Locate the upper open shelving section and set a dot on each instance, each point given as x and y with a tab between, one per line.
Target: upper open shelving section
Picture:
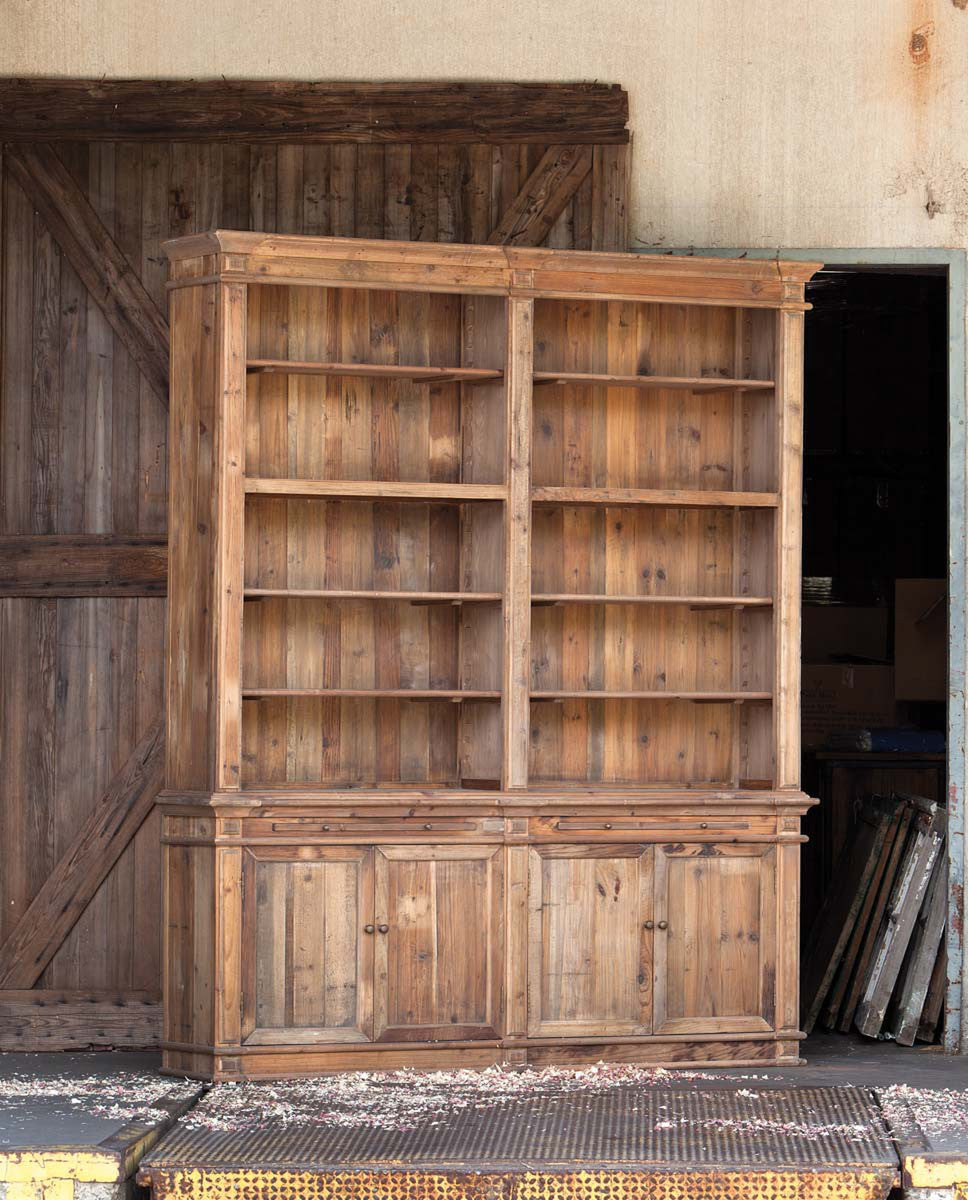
482	513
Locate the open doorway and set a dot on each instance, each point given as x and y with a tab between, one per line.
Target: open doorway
875	637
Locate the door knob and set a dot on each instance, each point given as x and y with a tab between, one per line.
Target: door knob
663	924
383	928
368	928
649	925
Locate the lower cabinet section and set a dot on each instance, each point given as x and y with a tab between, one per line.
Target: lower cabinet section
359	943
439	944
590	940
634	940
339	955
715	939
307	965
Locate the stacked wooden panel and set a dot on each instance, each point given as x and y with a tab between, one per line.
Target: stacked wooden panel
483	635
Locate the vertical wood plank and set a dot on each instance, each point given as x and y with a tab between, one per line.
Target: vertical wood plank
789	404
517	546
230	535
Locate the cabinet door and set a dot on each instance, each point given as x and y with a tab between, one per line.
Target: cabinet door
308	960
715	941
589	940
439	943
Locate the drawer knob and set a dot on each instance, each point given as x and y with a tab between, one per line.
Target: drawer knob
325	829
383	928
649	925
703	824
608	824
663	924
368	928
428	825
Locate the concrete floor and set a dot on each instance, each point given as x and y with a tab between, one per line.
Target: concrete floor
832	1059
53	1121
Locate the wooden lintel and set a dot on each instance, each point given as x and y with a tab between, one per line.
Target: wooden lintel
96	257
85	864
543	196
76	565
223	110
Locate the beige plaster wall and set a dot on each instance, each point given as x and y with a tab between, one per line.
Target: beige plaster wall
759	122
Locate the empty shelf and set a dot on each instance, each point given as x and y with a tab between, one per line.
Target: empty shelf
337	594
698	602
660	497
696	697
371	693
700	383
375	489
280	366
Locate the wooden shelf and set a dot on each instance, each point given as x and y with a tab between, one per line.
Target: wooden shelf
703	383
375	489
280	366
336	594
695	602
695	697
372	693
660	497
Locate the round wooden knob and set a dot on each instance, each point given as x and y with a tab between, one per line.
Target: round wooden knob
369	928
383	928
663	924
649	925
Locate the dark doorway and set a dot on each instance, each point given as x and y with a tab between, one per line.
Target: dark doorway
874	572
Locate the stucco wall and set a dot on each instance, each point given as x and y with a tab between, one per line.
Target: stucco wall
759	122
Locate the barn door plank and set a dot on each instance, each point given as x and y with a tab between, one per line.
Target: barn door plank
552	185
96	258
77	876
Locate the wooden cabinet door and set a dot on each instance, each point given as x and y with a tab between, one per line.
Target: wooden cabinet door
439	946
715	938
307	957
589	940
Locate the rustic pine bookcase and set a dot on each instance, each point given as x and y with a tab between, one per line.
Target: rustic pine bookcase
483	694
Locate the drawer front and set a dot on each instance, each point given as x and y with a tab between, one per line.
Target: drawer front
659	828
375	829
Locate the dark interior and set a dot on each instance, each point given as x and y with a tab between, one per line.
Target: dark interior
875	512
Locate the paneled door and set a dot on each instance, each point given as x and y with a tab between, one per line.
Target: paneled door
309	935
590	940
715	940
439	946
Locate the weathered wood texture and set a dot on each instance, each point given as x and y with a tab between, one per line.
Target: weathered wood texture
386	739
57	566
225	110
83	432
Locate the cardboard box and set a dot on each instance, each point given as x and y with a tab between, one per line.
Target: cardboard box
837	698
832	630
921	639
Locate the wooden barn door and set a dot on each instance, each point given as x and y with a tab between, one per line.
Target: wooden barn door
94	177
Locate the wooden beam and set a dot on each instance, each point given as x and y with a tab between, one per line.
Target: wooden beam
68	889
69	565
59	1020
283	111
96	257
559	174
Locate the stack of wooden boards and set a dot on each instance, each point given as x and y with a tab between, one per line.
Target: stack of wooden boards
875	957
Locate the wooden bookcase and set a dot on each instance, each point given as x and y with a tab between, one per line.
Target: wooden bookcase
483	695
